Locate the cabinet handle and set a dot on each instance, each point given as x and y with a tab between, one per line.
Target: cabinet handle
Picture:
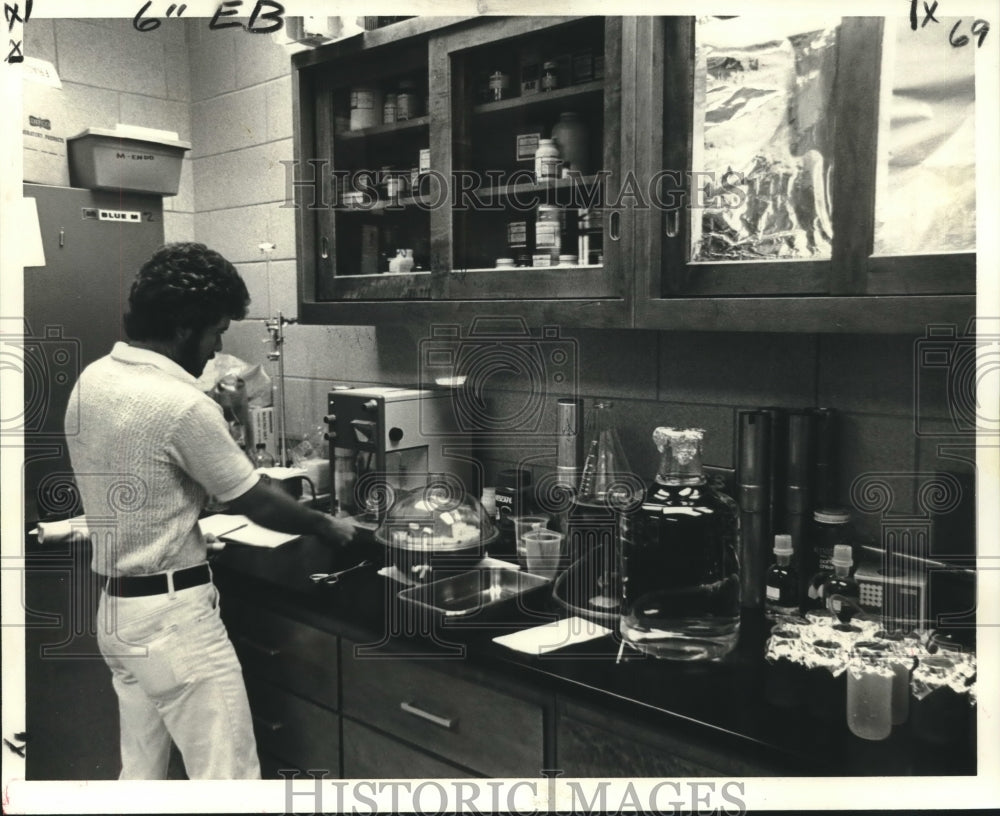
267	651
672	221
448	723
614	225
267	724
324	247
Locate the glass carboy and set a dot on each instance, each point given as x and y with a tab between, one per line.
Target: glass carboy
679	562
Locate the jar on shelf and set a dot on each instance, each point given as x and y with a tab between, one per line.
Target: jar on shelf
366	107
548	235
389	109
499	86
550	75
407	101
547	161
572	137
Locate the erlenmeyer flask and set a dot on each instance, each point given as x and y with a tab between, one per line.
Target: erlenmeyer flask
605	467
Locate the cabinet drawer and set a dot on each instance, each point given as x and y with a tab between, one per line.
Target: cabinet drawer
283	651
592	743
486	730
303	735
371	755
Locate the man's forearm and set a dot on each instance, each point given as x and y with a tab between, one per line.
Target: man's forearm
273	508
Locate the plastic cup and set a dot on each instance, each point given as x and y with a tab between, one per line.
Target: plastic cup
522	525
544	548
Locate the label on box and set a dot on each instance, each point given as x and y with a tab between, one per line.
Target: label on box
547	235
517	233
526	145
43	123
121	216
425	160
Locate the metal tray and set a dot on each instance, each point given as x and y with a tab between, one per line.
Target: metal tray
468	593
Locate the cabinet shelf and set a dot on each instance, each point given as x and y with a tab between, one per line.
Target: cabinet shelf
511	190
384	130
545	97
401	205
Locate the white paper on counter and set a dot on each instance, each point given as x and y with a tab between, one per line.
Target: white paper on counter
551	636
240	530
221	523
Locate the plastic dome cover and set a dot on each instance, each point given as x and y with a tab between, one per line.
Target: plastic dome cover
435	518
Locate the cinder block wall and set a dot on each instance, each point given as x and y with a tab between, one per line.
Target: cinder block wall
112	73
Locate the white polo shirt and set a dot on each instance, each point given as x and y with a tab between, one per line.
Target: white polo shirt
151	449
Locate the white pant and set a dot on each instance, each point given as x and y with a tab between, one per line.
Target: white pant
177	676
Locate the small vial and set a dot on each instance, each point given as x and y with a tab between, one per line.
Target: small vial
840	592
781	597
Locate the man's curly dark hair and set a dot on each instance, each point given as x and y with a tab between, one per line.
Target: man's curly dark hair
184	285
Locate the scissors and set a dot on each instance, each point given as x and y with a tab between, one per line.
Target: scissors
334	577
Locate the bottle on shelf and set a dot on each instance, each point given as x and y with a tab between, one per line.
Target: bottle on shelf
261	458
407	101
550	75
389	109
547	161
572	139
840	591
548	235
679	561
781	596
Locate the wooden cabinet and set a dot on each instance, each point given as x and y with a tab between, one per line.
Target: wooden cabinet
594	743
444	211
303	735
779	155
769	181
291	674
284	652
369	754
443	711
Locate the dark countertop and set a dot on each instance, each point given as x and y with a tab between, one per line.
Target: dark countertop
721	704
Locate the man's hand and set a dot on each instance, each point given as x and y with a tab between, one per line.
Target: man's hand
271	507
338	531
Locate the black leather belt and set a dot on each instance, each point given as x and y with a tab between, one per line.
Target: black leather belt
135	586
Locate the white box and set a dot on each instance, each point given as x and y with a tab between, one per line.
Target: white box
101	159
262	429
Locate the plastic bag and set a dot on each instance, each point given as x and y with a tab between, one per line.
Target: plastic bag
257	384
313	446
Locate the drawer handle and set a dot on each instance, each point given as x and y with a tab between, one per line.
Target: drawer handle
267	651
267	724
448	723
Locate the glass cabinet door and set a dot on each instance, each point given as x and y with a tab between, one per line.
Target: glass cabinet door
807	155
533	125
372	137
